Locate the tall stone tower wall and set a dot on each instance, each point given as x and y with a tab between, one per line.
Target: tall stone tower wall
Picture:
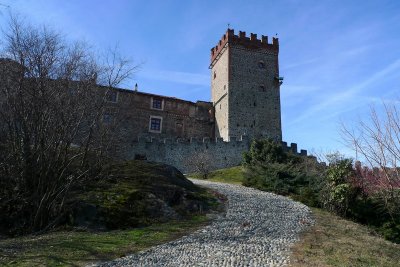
245	86
219	94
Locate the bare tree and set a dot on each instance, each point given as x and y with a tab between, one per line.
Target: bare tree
53	136
201	162
377	141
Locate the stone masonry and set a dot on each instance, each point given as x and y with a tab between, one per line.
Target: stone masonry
245	92
245	86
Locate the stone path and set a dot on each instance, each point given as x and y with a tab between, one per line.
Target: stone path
257	230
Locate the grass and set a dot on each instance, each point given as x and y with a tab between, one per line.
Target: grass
232	175
122	201
78	248
334	241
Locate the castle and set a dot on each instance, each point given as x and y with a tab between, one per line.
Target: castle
245	105
245	90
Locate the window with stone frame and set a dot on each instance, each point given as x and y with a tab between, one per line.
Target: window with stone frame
108	118
156	103
155	124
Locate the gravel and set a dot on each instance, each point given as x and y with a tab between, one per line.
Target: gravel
258	229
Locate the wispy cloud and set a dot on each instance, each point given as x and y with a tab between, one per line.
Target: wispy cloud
341	98
291	65
176	77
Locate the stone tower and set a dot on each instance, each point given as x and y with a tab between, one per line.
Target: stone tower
245	86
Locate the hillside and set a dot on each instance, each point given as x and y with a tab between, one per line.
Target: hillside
138	193
332	241
138	205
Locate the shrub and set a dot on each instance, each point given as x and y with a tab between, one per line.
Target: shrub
268	167
338	192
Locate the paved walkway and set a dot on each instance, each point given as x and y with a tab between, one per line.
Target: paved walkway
257	230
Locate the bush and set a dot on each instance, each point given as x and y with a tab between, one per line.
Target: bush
338	188
338	192
268	167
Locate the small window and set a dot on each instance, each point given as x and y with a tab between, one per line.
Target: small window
215	75
261	64
112	96
157	103
155	124
108	118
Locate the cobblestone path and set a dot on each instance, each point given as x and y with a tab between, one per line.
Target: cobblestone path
258	229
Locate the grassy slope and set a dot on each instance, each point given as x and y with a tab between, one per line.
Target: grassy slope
232	175
333	241
73	248
78	248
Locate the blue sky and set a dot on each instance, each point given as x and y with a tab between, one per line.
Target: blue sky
337	57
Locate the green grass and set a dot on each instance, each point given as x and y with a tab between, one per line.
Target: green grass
334	241
232	175
78	248
122	204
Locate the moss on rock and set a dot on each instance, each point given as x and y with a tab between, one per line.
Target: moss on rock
138	193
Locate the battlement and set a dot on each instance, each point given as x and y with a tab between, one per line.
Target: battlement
241	39
293	148
192	140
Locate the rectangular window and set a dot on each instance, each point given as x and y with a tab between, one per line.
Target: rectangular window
156	103
108	118
155	125
112	96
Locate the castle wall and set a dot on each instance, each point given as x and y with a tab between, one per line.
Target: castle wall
245	86
185	154
179	118
219	94
254	96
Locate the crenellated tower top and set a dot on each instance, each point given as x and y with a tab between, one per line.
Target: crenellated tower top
247	42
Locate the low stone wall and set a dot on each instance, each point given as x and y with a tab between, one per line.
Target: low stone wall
184	154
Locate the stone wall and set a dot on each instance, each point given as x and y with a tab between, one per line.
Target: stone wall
254	96
219	94
179	118
245	86
182	153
